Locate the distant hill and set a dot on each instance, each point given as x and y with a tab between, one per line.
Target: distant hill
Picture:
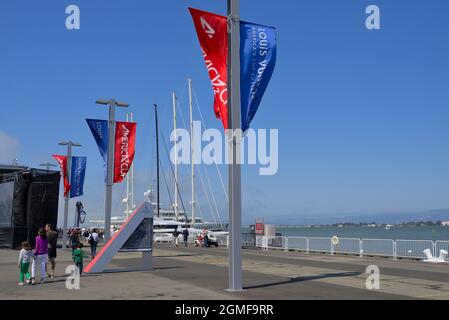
390	218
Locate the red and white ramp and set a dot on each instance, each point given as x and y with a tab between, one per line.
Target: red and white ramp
135	235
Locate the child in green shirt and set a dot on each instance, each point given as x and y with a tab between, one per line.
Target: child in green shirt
78	256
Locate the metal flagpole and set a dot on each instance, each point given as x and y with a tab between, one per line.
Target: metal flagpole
127	185
192	142
69	145
234	141
132	177
110	172
157	159
176	158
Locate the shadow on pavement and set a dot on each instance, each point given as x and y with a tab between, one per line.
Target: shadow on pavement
128	270
179	255
302	279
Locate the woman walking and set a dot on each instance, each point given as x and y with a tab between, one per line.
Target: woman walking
93	241
40	256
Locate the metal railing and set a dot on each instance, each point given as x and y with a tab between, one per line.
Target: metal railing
378	247
319	244
248	239
347	246
441	245
275	243
413	249
297	243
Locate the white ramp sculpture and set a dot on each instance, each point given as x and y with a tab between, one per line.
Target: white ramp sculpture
136	235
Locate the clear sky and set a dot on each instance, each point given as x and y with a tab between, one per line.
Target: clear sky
362	115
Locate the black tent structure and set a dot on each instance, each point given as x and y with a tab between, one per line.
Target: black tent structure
28	201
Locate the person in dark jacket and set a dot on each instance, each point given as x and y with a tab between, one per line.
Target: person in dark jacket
185	236
74	239
176	237
52	248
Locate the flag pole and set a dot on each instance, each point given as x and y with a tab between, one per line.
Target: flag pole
68	172
110	165
234	143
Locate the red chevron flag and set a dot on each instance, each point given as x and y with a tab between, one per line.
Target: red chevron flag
213	36
62	161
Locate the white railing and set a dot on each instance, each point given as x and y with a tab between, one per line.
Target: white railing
320	244
378	247
298	243
275	243
347	246
413	249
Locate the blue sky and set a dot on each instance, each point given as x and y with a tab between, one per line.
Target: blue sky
362	115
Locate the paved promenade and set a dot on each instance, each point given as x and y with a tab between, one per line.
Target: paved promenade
201	273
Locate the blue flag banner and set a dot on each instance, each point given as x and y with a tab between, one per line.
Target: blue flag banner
77	174
257	61
99	129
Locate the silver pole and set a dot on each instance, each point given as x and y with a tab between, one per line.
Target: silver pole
110	179
110	165
132	177
67	198
176	157
234	168
127	185
69	145
192	142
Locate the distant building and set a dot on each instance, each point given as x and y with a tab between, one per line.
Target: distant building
445	223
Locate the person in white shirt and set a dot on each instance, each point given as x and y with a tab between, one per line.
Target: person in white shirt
93	241
25	256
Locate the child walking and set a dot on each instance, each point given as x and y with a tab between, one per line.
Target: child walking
25	257
78	257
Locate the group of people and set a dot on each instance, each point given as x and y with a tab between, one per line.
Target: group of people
201	240
45	251
185	236
93	237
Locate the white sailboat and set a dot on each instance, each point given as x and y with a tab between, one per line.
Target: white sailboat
167	220
170	220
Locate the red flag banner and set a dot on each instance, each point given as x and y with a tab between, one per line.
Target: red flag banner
125	138
62	161
213	37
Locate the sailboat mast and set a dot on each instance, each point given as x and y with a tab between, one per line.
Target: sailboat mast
157	159
176	157
192	151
